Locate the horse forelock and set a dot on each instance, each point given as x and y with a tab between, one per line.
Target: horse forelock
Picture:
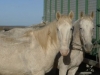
46	35
77	22
63	19
86	17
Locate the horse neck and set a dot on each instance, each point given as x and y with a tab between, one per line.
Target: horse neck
47	35
76	36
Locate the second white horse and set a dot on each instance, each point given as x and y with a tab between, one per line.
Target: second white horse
82	41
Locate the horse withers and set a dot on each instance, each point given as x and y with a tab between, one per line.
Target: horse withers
82	42
36	56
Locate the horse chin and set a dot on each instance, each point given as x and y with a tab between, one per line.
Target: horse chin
87	50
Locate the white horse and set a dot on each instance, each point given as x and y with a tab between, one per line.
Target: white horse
36	56
82	42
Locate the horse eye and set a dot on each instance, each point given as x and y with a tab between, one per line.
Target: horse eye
71	29
57	29
93	28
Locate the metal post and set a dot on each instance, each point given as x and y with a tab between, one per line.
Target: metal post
61	6
76	10
86	6
50	10
68	6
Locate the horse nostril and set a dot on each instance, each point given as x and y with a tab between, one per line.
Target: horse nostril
85	45
91	46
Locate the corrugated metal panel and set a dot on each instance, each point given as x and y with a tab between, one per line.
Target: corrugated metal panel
81	6
48	11
59	5
52	10
92	7
44	14
73	7
65	6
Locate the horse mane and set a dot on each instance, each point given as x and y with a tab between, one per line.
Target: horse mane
8	39
76	25
46	35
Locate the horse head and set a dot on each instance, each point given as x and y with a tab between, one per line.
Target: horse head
86	31
64	30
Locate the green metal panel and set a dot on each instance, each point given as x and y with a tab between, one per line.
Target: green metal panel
86	6
50	11
61	6
55	6
68	6
76	17
65	6
98	22
45	11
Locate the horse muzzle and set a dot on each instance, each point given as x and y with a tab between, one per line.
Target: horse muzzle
88	47
64	52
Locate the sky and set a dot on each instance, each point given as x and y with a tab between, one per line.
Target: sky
21	12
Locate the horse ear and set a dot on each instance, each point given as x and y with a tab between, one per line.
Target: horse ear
71	15
92	15
58	15
81	14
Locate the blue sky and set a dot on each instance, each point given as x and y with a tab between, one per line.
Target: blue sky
21	12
